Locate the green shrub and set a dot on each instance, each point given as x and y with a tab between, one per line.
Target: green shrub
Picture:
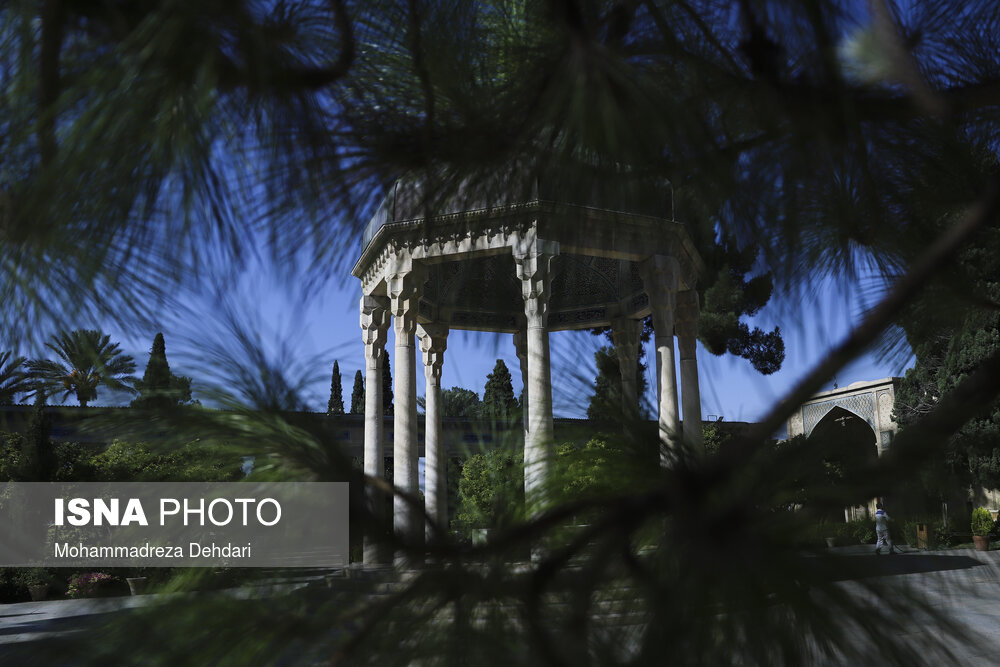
588	470
194	462
982	521
838	530
845	533
946	535
491	490
74	463
34	576
10	456
995	531
863	531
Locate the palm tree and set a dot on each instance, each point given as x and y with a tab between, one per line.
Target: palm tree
86	358
13	378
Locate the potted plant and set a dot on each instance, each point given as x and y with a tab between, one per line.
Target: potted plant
982	524
37	581
137	585
137	580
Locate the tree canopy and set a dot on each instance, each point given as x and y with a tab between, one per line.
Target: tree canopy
498	395
14	378
386	384
335	406
159	388
85	360
460	402
358	395
949	344
606	402
491	490
729	297
38	461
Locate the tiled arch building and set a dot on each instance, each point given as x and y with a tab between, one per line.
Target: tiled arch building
872	401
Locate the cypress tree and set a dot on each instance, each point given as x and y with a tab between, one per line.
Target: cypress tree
606	403
159	388
498	397
157	375
358	395
38	459
386	384
335	406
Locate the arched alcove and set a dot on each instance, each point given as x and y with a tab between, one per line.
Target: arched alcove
847	444
846	436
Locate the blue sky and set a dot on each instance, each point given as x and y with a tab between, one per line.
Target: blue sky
310	328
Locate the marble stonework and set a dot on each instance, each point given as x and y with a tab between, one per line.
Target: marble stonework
525	268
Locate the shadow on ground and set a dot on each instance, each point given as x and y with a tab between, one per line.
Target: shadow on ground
840	567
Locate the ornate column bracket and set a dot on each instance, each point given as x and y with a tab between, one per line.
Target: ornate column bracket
660	276
534	272
686	322
374	327
405	282
687	343
433	342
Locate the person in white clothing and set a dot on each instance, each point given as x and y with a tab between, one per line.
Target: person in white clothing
882	530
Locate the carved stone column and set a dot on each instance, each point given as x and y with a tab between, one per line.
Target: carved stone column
626	334
433	342
660	280
521	347
374	325
687	342
534	273
405	286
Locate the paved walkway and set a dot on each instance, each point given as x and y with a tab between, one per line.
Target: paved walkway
961	584
30	621
964	584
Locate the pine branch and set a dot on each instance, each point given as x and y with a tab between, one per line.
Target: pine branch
923	269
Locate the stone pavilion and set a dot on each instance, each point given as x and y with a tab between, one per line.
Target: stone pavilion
524	268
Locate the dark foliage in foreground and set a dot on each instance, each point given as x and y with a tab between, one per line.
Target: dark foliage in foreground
821	137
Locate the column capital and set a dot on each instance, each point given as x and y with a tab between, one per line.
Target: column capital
535	273
660	268
688	312
433	340
374	324
686	323
405	282
660	279
626	333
